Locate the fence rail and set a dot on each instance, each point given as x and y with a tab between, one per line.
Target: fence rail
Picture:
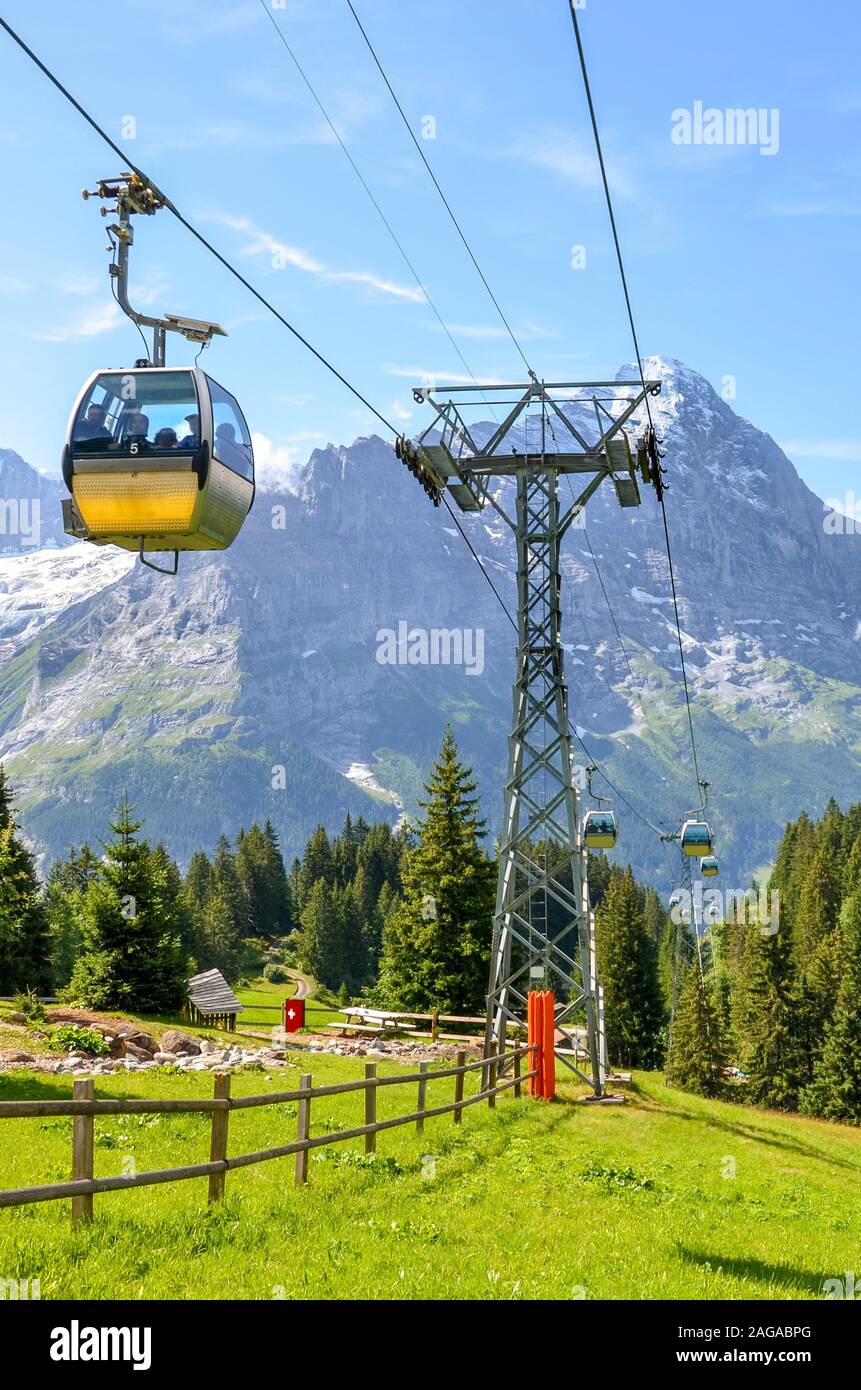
84	1109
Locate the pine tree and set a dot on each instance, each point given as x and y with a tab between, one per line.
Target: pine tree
696	1056
68	881
852	868
178	919
628	970
344	854
225	916
818	904
436	944
261	872
24	937
280	906
354	945
320	944
766	1021
316	864
75	872
132	954
835	1091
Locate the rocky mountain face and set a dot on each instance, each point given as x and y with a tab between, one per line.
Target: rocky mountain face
274	679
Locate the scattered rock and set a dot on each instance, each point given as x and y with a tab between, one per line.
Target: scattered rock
14	1016
165	1058
143	1041
17	1057
174	1041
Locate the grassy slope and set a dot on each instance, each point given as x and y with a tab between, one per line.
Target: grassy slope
523	1204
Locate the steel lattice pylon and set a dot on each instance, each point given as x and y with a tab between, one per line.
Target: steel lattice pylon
540	809
542	922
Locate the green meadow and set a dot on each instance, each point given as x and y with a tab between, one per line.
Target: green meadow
668	1196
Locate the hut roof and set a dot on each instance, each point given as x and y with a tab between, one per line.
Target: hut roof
210	993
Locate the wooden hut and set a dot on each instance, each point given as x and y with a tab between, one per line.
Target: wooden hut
211	1001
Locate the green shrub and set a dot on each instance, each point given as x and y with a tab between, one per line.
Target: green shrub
276	975
30	1006
73	1037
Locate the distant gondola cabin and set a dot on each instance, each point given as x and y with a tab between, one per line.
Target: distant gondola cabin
696	839
599	829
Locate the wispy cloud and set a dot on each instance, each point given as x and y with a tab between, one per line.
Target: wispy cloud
181	25
296	399
812	208
488	332
219	134
9	284
838	450
572	158
95	321
260	242
77	284
276	465
422	376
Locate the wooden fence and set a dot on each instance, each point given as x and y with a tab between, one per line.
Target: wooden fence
85	1109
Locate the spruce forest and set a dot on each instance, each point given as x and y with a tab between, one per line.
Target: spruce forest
399	918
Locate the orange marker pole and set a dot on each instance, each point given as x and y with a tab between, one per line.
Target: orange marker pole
531	1039
539	1038
549	1002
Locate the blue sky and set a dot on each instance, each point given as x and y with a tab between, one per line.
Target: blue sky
741	263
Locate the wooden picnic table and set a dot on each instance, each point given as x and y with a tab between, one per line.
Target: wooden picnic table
371	1020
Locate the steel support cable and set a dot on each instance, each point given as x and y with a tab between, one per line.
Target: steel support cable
624	653
189	226
123	157
438	187
624	279
267	10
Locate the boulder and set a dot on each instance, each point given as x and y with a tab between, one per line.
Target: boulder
165	1058
172	1040
207	1046
14	1016
16	1057
143	1041
138	1054
108	1031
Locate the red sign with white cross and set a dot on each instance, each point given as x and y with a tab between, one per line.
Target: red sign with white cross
293	1016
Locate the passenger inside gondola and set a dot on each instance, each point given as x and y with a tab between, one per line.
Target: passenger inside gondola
93	426
166	439
227	449
192	439
135	425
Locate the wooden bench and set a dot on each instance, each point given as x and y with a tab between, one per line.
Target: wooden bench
371	1021
367	1030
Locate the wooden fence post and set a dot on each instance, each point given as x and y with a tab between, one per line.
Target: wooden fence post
218	1142
434	1024
491	1079
423	1090
517	1086
82	1151
303	1130
458	1087
370	1107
